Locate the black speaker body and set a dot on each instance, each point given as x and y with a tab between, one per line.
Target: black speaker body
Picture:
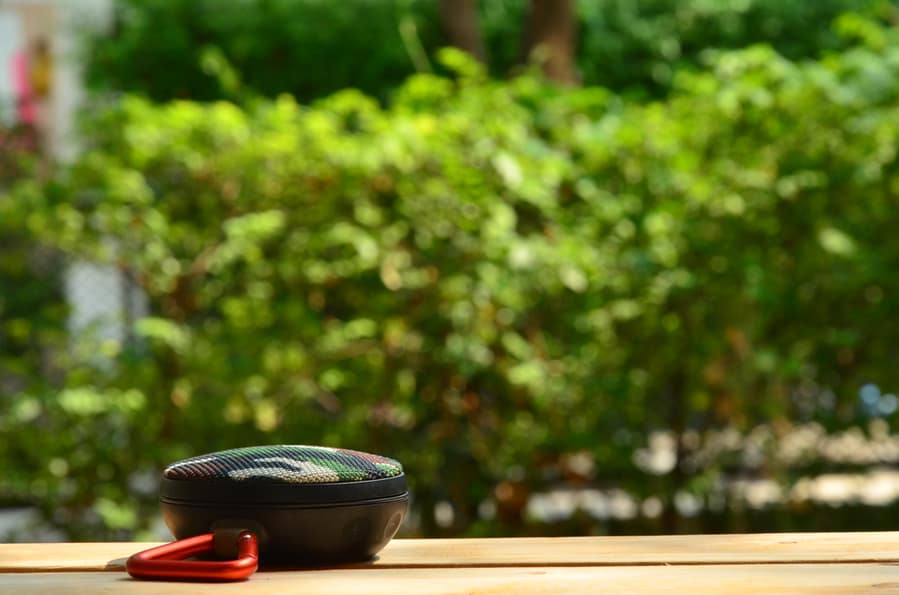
302	511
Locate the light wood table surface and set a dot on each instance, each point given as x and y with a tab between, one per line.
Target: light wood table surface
832	563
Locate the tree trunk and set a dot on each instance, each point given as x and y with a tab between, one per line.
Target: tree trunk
460	22
552	30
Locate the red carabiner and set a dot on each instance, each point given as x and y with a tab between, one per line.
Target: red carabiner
168	561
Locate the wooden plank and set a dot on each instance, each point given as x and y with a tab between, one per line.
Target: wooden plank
640	550
560	551
744	579
52	557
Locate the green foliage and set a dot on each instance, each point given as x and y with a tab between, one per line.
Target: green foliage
639	45
306	47
479	279
32	315
309	48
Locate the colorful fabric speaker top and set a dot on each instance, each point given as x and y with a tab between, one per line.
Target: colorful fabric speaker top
288	463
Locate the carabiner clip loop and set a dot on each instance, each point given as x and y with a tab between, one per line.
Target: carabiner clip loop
168	561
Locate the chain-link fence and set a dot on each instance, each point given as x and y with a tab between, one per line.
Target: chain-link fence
103	300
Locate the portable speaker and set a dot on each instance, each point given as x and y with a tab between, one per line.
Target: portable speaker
304	505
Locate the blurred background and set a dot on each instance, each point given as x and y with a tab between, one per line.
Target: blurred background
584	267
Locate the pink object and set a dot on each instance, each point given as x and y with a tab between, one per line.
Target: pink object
27	110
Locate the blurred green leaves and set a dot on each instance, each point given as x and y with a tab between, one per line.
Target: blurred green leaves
212	49
479	278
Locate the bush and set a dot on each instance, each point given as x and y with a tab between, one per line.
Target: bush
480	279
163	48
173	49
638	46
32	308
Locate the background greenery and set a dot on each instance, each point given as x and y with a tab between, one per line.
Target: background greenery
168	49
509	286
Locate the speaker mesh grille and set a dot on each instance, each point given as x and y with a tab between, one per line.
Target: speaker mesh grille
285	464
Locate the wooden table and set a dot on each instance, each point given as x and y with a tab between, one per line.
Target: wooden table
832	563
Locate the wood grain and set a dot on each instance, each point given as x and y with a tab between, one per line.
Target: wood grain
817	579
775	548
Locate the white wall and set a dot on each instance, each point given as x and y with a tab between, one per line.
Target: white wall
61	21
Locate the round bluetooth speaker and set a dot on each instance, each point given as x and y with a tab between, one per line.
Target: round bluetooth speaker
306	505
